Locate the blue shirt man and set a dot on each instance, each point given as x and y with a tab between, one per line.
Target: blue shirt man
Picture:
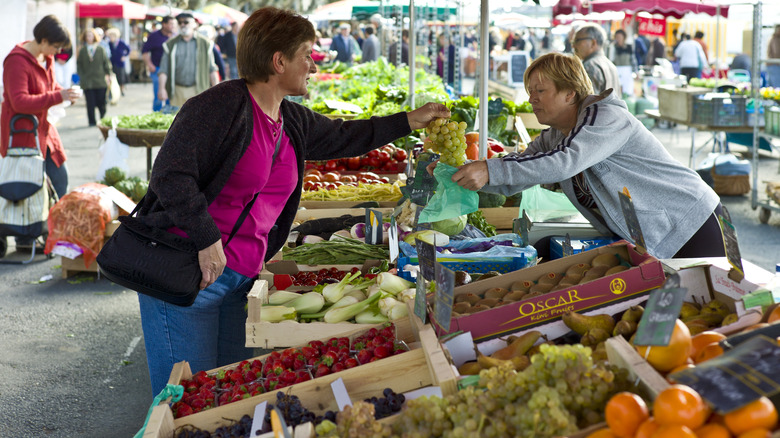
152	52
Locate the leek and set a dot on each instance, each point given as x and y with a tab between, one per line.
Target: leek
281	297
407	295
345	301
276	313
357	293
392	283
341	314
370	316
310	302
392	308
335	291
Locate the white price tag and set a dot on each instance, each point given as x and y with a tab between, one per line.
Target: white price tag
258	419
340	393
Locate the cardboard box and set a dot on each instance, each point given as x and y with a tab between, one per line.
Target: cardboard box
418	368
677	103
74	266
645	275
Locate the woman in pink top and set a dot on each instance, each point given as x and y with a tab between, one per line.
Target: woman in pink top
217	156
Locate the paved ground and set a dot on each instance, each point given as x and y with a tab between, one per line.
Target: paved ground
72	355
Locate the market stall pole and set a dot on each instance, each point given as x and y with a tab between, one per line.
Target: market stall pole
484	68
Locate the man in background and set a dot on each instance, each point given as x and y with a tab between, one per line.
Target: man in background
152	53
187	67
691	57
227	44
370	45
587	44
343	44
699	38
393	51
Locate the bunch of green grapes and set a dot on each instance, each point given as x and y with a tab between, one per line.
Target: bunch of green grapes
561	392
354	421
448	139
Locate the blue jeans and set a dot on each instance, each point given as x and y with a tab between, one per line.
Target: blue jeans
157	104
209	334
58	176
233	68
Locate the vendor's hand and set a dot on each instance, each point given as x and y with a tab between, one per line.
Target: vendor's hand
431	167
422	116
472	176
212	262
162	94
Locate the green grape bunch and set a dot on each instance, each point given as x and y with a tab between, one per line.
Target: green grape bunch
448	139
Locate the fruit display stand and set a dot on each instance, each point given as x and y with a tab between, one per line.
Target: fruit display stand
311	205
419	367
305	214
74	266
147	138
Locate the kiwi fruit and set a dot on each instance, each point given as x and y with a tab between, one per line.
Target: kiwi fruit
461	307
495	292
532	295
469	298
578	269
515	295
541	288
478	308
615	270
567	282
550	278
521	285
488	302
608	260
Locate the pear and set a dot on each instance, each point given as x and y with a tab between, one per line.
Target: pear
486	362
696	327
600	352
689	309
518	346
624	328
469	368
582	323
731	318
592	337
710	319
633	314
521	362
716	307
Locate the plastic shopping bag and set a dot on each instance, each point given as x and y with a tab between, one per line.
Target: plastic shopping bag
113	153
542	205
450	200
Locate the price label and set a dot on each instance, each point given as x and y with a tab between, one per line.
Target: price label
373	227
258	420
567	248
392	239
445	286
522	226
661	313
634	230
426	257
340	393
737	377
420	301
521	129
731	244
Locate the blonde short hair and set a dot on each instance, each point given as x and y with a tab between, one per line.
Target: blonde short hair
113	32
565	71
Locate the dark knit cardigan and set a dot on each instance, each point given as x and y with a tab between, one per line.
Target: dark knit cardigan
210	134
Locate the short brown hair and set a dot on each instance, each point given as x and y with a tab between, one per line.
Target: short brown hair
565	71
267	31
51	29
91	30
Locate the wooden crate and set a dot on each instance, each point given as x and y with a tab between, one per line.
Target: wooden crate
677	103
624	355
73	267
501	217
342	204
320	213
420	367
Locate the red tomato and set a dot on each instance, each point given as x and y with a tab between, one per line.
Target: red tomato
311	186
390	149
371	175
331	165
341	168
331	177
373	154
373	162
313	172
348	179
311	178
331	186
383	157
384	180
400	155
390	166
353	163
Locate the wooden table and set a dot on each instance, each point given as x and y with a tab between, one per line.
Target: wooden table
716	141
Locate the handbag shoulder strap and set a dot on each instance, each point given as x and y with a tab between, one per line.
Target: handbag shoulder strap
245	211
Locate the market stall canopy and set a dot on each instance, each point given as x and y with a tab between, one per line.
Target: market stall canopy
424	9
667	8
337	11
519	21
565	7
110	9
226	12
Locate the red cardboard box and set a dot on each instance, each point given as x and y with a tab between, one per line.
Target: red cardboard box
646	274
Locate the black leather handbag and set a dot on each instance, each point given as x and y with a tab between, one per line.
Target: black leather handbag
155	262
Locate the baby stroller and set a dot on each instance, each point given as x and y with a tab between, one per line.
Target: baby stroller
25	191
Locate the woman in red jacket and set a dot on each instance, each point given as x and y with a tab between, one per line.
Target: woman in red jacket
30	88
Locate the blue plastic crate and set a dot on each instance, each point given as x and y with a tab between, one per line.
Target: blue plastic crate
472	266
577	245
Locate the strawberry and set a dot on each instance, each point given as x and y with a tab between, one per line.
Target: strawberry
235	376
364	356
374	359
382	352
390	345
200	378
271	383
197	404
398	351
275	355
287	376
371	333
358	345
302	376
257	363
190	386
183	410
244	364
351	363
312	362
309	352
322	370
329	358
343	343
277	367
300	363
338	366
317	345
377	341
224	398
388	332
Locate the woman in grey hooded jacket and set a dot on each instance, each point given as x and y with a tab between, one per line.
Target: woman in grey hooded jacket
593	149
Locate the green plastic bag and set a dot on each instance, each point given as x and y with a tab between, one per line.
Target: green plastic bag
542	205
450	200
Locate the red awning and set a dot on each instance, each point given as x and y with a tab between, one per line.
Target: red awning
667	8
110	9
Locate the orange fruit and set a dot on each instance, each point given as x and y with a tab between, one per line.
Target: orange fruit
603	433
698	342
756	433
774	315
472	137
666	358
708	352
757	414
679	404
713	430
472	151
682	367
673	431
624	412
647	428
